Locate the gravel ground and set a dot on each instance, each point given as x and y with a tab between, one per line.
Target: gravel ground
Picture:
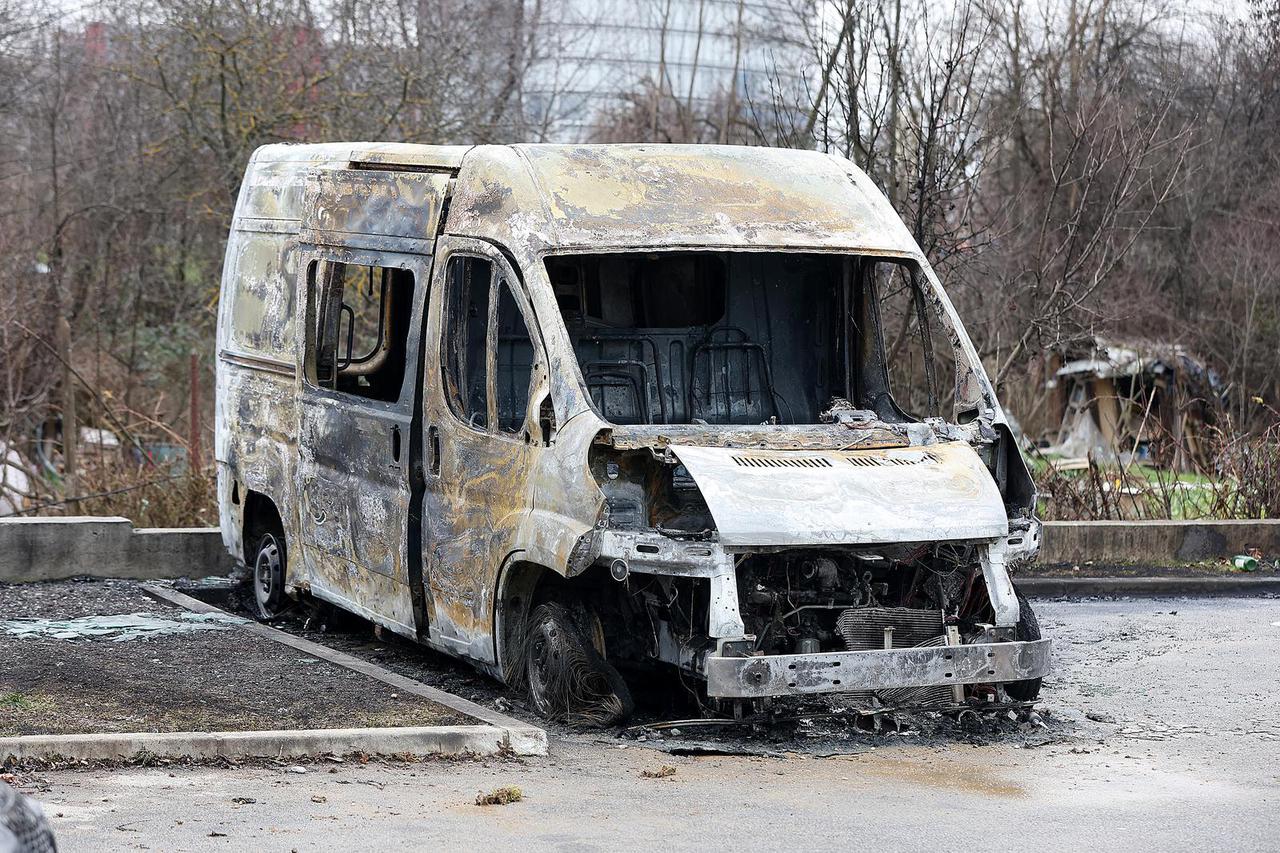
355	636
64	669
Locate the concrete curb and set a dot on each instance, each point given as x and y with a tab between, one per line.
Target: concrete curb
49	549
413	740
1155	542
1156	587
55	548
517	737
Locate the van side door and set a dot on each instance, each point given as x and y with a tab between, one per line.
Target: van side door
366	240
356	406
485	380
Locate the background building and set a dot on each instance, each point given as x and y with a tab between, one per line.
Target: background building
687	63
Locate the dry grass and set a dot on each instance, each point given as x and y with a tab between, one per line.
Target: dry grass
1237	476
18	711
166	493
161	495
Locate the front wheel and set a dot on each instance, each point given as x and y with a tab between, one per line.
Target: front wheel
568	678
269	563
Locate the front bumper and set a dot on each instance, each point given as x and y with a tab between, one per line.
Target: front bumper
881	669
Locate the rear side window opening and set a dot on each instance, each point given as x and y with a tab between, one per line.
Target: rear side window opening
753	337
360	342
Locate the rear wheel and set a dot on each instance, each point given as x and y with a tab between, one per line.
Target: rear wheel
1028	628
269	564
567	676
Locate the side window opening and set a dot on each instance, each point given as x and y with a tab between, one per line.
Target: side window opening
515	359
466	354
360	341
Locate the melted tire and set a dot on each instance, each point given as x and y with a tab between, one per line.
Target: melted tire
566	677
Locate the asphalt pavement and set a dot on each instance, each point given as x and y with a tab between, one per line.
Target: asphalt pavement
1164	735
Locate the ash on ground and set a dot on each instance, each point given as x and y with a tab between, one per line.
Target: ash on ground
831	725
667	716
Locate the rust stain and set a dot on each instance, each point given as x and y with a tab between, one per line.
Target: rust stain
968	779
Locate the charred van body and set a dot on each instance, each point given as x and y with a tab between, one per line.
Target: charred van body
566	411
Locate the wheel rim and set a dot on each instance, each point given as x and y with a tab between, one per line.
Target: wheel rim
266	573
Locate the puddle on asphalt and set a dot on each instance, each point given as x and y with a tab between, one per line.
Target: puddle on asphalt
120	628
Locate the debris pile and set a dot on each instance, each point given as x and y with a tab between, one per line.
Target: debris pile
824	726
500	796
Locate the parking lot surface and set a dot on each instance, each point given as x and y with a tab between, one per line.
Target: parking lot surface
1163	735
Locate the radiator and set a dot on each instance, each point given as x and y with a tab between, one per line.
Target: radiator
863	628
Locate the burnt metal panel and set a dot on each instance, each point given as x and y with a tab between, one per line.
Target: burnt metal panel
255	445
909	495
257	311
771	436
355	477
599	196
273	186
380	210
481	484
837	672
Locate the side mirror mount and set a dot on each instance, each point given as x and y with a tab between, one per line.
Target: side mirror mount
546	420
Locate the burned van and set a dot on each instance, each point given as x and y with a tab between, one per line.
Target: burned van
579	413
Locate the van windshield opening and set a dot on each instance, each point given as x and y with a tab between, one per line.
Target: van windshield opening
753	337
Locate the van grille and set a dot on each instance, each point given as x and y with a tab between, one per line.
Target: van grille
782	461
863	629
886	461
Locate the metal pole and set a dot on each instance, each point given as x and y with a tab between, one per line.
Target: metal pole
70	424
193	440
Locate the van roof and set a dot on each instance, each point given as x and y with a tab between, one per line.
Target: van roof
342	154
601	197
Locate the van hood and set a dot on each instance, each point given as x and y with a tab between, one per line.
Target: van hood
865	497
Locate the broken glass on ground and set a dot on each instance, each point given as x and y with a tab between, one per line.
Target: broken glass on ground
118	628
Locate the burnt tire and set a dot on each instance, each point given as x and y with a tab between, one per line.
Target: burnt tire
268	575
567	677
1028	628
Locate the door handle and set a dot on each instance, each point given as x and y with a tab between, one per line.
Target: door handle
395	445
433	450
